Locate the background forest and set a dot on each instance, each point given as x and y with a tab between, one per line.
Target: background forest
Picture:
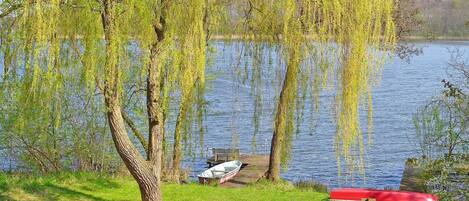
440	18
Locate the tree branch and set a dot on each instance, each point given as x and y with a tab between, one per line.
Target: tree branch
135	131
8	11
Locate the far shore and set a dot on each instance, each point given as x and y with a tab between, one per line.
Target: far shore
437	38
403	39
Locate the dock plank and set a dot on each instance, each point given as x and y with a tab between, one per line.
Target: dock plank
256	168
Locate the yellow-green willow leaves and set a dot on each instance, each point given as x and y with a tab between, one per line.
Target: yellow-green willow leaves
369	28
45	26
339	44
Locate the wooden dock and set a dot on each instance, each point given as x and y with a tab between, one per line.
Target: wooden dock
254	168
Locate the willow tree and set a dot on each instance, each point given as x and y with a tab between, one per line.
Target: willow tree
177	51
342	43
200	20
164	40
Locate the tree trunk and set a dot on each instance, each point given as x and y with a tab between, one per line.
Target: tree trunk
287	98
155	113
155	101
140	169
163	154
145	173
177	152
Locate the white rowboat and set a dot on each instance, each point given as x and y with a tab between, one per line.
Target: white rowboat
220	173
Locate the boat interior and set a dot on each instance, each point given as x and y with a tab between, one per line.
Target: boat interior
219	171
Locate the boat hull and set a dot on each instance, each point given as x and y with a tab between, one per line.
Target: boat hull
357	194
213	176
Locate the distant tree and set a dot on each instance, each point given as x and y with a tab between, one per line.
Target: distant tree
408	18
444	18
408	22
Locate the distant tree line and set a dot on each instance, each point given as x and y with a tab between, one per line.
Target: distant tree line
441	17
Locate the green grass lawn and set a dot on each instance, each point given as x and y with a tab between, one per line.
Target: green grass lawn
93	187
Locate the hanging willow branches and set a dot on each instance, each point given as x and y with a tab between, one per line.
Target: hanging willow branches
156	45
104	47
339	43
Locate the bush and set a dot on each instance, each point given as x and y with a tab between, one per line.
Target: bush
311	185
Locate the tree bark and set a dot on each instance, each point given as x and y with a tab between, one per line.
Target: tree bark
155	83
155	113
284	104
163	155
140	169
144	172
177	152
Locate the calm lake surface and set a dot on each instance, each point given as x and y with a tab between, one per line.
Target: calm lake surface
403	88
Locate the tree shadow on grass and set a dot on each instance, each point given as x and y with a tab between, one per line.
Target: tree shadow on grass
5	198
100	183
54	192
72	193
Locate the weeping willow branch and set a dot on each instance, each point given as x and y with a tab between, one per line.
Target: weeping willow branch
139	135
347	41
166	41
10	10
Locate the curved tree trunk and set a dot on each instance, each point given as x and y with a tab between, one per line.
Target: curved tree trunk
286	100
146	173
140	169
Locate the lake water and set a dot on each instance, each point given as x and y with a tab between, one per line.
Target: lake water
403	88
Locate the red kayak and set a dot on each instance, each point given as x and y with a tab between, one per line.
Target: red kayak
353	194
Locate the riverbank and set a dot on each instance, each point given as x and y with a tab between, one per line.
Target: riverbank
94	187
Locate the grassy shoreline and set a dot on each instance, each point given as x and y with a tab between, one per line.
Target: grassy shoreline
94	187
